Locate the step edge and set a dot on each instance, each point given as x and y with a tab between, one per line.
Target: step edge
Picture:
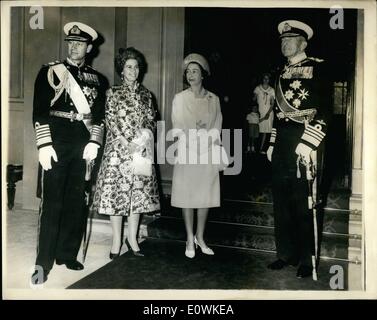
271	203
260	250
330	234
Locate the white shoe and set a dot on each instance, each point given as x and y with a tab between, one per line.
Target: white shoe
205	250
189	253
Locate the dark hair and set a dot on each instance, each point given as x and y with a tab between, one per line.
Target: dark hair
266	74
126	54
204	73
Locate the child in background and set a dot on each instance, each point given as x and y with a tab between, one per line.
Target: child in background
253	121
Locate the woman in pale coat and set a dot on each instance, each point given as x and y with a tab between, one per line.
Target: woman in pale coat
196	186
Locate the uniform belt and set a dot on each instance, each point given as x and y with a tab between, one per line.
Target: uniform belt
310	113
71	115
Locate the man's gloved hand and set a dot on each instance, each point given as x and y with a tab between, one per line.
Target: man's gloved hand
304	151
90	151
269	153
45	155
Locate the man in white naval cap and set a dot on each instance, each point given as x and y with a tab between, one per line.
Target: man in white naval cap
68	113
302	113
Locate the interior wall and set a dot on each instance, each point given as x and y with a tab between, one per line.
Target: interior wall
171	75
16	92
16	134
144	33
120	37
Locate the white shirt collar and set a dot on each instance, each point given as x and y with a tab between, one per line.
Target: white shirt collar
297	58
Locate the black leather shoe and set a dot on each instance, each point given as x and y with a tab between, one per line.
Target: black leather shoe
112	256
38	278
135	253
277	265
304	272
71	264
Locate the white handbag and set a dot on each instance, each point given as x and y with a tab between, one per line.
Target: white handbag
141	165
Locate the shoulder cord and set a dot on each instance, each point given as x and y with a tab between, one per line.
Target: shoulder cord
64	84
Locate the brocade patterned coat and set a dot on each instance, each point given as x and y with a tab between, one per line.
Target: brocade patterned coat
118	190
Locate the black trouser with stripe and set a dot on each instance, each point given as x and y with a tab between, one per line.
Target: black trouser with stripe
293	220
62	216
294	235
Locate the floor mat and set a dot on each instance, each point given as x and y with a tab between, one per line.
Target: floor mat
166	267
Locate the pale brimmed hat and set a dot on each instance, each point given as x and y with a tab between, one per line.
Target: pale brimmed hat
197	58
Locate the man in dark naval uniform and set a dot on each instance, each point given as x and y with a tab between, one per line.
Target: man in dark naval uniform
68	114
303	103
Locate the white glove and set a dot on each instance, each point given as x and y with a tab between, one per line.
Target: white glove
304	151
45	154
90	151
269	153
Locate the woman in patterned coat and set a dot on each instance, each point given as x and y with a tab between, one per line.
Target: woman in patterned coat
130	123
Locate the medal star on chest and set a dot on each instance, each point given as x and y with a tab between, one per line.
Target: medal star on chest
296	103
90	93
296	96
289	94
303	94
296	84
